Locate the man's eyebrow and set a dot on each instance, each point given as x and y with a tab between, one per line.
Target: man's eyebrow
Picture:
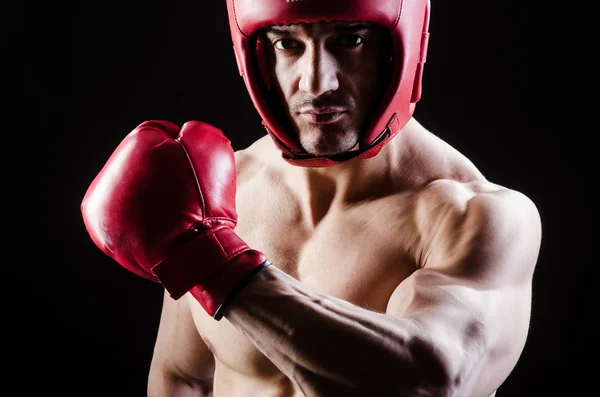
338	28
285	30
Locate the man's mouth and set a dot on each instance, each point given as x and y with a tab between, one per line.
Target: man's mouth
325	115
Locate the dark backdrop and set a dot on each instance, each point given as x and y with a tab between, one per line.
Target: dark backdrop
81	325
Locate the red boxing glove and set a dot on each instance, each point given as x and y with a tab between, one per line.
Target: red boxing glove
163	207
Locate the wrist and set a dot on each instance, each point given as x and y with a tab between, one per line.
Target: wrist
214	266
219	291
193	262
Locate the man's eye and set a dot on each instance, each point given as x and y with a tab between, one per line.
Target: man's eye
351	40
286	44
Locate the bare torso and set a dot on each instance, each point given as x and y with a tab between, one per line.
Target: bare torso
358	250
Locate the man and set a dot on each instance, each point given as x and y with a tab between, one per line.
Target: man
349	252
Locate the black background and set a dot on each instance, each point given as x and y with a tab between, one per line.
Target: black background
80	325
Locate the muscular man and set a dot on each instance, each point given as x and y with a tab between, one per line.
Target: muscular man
349	251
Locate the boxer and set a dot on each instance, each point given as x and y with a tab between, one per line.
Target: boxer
347	252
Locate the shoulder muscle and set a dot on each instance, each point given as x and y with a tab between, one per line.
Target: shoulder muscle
482	230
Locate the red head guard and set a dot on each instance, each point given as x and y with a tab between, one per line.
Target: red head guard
408	23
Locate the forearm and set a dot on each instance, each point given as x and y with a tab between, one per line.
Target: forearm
320	340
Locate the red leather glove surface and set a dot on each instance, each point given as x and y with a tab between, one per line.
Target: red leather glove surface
163	207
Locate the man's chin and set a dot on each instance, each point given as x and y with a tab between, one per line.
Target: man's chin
329	147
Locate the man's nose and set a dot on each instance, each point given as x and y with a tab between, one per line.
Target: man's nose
319	71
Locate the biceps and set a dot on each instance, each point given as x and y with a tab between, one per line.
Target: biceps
469	326
181	358
461	306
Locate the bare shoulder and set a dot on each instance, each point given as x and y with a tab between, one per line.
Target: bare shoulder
463	194
257	157
479	223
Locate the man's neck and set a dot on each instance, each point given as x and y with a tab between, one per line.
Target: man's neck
324	188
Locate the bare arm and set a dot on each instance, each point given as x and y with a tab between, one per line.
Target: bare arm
456	327
182	365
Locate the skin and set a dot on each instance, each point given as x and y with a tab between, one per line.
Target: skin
405	274
327	67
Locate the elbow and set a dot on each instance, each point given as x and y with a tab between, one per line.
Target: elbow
431	373
169	383
446	370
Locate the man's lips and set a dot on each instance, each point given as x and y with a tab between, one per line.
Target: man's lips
323	115
323	110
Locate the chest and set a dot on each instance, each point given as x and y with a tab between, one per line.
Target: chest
349	256
357	254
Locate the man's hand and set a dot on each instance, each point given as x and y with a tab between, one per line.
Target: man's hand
163	207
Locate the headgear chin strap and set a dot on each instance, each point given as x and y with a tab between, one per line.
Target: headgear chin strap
408	23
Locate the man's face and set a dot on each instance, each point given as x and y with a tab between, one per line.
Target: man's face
328	74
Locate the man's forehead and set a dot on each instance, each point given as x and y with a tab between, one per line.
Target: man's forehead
318	27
